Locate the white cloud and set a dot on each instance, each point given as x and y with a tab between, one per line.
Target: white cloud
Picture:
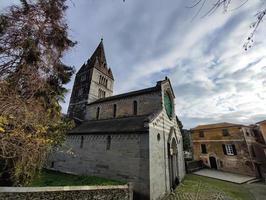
213	77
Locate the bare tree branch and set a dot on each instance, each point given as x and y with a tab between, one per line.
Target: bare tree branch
225	4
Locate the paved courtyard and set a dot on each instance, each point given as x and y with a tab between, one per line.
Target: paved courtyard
201	191
257	189
195	187
225	176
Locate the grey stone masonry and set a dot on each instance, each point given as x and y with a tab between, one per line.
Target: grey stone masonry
119	156
146	105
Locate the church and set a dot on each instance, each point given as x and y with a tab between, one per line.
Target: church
132	137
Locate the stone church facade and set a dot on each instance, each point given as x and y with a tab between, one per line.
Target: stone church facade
132	137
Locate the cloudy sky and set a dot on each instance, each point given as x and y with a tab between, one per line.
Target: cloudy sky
214	79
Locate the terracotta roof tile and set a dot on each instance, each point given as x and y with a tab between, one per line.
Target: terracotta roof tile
217	125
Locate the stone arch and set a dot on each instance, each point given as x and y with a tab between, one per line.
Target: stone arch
172	146
213	161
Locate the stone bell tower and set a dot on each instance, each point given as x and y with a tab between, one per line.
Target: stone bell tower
93	81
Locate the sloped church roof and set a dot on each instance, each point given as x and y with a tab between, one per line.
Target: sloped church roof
114	125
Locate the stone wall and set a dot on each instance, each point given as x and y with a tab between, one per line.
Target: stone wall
160	136
121	192
95	86
262	127
147	104
125	158
194	165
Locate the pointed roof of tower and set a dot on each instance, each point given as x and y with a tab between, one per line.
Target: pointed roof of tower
99	54
98	60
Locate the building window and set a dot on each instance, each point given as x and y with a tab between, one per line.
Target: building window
81	141
108	142
98	113
168	105
103	81
225	132
247	133
52	164
253	152
229	149
101	93
203	148
100	79
114	115
256	134
135	108
201	134
158	137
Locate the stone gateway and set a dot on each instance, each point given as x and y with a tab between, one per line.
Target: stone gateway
133	137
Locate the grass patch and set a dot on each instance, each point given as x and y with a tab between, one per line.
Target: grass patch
54	178
204	187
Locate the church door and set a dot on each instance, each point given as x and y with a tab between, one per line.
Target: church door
213	162
172	161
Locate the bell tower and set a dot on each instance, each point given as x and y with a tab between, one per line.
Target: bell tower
93	81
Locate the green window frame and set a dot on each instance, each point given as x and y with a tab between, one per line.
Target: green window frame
168	105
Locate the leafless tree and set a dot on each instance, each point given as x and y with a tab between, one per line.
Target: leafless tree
225	5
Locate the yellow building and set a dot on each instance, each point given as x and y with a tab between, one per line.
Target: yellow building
261	129
228	147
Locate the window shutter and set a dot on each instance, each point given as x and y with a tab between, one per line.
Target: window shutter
234	149
224	149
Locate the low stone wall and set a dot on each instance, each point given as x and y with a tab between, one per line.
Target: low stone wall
119	192
194	165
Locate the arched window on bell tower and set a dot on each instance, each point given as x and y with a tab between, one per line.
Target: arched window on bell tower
99	93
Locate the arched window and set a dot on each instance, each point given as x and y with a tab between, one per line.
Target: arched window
103	80
99	93
135	108
114	115
168	104
98	113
